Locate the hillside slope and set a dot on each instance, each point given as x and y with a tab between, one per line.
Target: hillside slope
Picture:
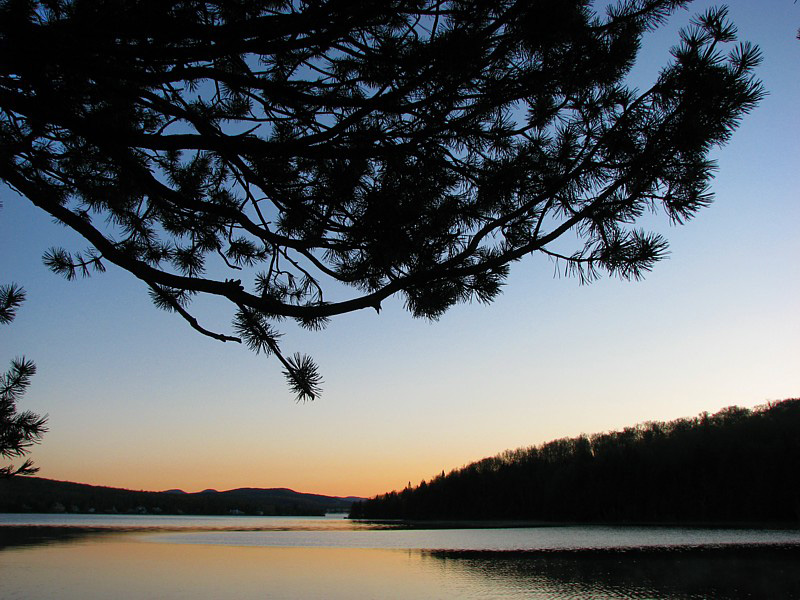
737	465
35	494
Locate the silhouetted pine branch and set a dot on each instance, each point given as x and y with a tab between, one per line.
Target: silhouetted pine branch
403	148
11	297
18	431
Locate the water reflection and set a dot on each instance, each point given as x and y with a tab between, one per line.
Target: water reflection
127	562
128	567
720	573
35	529
13	537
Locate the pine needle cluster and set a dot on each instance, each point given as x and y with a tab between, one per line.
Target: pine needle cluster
18	431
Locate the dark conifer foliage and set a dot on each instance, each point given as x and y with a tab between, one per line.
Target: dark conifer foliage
270	153
738	465
18	431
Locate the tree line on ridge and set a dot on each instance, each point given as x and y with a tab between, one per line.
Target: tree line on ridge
737	465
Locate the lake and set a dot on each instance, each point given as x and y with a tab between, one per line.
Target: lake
126	556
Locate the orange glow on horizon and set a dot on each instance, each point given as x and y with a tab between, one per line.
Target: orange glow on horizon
339	483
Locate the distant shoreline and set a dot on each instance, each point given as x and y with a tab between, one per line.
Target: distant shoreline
517	523
398	523
36	495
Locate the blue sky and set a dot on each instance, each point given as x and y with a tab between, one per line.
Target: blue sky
137	399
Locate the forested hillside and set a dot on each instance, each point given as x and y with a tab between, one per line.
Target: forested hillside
738	465
35	494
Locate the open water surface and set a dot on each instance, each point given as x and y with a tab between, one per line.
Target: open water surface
126	557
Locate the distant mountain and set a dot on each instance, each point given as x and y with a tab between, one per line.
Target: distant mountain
738	465
36	494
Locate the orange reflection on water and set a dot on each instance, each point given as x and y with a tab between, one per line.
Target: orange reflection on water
128	567
92	565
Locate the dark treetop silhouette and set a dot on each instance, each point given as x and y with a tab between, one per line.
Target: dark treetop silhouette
738	465
407	147
18	431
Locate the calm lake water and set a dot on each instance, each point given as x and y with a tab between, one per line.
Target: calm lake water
92	557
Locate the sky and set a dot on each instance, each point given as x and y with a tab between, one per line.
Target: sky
137	399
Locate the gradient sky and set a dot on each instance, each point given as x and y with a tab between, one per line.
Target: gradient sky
137	399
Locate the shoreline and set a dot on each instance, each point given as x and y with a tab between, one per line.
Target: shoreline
521	523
